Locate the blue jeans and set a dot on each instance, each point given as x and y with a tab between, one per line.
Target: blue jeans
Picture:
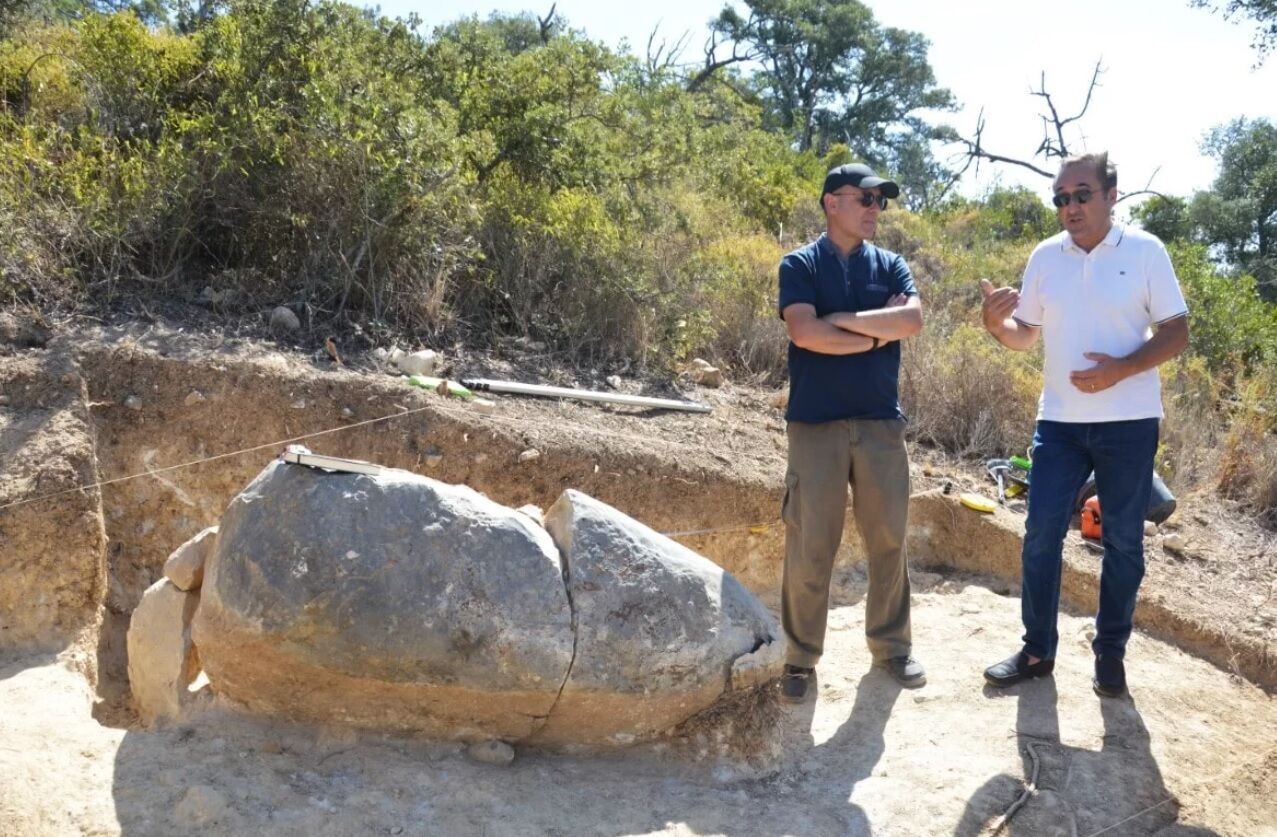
1064	454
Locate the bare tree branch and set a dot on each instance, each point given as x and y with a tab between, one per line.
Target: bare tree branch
546	24
1052	123
664	57
713	63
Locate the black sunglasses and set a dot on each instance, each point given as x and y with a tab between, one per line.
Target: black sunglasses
1062	199
866	199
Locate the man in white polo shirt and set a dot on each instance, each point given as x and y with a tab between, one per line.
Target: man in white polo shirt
1109	308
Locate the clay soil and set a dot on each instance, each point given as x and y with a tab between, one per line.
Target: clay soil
1191	752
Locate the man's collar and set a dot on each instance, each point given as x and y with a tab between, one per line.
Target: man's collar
828	246
1111	239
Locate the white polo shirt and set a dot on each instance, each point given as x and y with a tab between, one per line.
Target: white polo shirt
1106	301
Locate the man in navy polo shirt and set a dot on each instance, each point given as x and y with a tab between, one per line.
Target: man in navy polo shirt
846	305
1108	306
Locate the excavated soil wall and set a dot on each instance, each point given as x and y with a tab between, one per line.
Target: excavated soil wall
73	568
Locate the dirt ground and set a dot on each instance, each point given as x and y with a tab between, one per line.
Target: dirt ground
1192	751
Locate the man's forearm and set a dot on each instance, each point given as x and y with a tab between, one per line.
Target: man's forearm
817	335
884	323
1015	336
1169	340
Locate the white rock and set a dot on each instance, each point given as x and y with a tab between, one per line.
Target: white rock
425	362
394	354
381	353
700	363
1150	528
491	752
185	567
193	397
529	455
533	512
483	405
283	319
133	402
162	660
1174	543
614	381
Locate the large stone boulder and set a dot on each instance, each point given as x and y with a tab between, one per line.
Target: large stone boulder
658	628
391	601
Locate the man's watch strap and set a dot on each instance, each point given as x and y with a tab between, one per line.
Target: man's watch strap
875	345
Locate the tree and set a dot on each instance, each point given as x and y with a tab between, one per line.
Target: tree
1166	217
1239	214
1262	12
831	74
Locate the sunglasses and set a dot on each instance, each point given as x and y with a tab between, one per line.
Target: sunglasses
866	199
1063	199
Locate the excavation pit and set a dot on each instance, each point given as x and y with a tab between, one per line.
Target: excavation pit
1192	749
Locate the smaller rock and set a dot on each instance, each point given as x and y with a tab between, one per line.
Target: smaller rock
433	459
1174	543
185	567
1150	528
700	371
193	397
395	354
425	362
162	660
381	353
483	405
4	400
491	752
614	381
921	582
530	455
283	319
347	413
759	667
133	402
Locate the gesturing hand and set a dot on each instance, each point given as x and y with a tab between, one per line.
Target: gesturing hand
997	305
1106	372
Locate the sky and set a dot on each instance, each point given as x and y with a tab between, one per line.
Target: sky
1170	72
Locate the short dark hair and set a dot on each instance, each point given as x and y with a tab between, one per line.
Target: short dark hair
1098	163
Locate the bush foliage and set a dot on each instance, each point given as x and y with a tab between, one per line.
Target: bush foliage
493	177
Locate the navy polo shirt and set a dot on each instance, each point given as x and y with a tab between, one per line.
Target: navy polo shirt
834	387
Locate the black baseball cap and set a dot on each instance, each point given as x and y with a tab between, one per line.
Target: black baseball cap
861	176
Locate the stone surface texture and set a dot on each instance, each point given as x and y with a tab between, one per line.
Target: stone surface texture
185	567
658	627
394	602
162	659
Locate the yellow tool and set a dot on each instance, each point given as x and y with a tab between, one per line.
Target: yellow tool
977	502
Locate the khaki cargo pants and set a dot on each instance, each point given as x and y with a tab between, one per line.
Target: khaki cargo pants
869	455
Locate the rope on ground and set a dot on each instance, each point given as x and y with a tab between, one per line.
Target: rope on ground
1030	788
1131	817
